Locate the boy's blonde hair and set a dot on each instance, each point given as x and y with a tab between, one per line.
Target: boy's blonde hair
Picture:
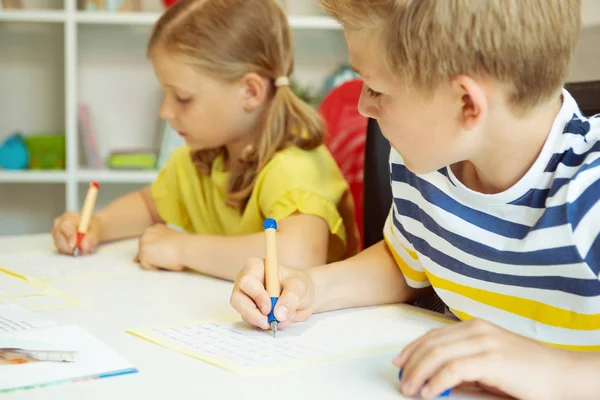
526	44
229	39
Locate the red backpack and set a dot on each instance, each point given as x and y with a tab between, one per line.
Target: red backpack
346	135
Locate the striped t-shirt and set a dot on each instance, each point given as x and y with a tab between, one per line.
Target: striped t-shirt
526	259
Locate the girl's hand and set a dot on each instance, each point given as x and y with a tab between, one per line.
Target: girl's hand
64	234
161	248
491	357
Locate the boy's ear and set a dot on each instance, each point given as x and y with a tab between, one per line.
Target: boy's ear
473	99
254	89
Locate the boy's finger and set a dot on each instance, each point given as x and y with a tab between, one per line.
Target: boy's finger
253	287
247	309
292	294
426	361
432	336
468	369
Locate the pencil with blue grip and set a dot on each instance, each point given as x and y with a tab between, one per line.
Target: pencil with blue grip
445	393
272	283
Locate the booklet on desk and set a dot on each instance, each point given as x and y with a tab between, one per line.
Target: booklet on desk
31	340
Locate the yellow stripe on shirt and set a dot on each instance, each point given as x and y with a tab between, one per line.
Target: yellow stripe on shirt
465	317
534	310
417	276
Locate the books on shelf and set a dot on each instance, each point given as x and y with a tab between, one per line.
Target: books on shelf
88	138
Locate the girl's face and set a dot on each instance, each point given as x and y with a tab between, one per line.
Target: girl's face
207	112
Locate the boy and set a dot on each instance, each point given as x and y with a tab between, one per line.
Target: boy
496	179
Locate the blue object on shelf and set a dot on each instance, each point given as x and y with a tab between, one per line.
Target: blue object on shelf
13	153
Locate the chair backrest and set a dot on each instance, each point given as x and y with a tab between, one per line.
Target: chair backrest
377	192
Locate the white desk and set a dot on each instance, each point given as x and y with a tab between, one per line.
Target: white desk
151	298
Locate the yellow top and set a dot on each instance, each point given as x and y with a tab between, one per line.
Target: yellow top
295	180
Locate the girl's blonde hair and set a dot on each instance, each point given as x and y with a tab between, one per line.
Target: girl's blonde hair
228	39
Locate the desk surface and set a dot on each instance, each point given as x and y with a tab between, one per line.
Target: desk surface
150	298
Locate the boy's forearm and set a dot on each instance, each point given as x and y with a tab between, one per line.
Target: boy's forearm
127	216
369	278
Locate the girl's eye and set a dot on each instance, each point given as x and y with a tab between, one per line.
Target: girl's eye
372	93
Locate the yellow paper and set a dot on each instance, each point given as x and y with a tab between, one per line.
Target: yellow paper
340	335
33	296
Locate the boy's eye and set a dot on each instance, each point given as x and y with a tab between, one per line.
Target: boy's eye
372	93
182	101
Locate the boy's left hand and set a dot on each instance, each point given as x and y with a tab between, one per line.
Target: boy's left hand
479	352
160	248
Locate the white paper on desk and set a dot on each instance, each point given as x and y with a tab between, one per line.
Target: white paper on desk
50	265
95	359
333	336
14	318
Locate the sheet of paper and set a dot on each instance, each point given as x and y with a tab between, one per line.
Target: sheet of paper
94	359
49	265
32	295
334	336
15	318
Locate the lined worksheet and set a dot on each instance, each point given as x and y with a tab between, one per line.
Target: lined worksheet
14	318
32	295
325	337
49	265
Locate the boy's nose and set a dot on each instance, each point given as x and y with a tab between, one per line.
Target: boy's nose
366	106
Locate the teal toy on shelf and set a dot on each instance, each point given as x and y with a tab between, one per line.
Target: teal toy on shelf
13	153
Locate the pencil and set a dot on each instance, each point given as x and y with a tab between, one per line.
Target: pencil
272	270
86	215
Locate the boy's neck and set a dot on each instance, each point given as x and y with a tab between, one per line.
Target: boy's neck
507	149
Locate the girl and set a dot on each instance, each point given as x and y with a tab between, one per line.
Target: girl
253	150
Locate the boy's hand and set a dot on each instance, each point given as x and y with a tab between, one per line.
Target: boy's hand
161	248
491	357
64	234
250	298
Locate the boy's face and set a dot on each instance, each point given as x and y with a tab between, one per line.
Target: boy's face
426	131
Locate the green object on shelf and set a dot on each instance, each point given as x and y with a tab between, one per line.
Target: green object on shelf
132	161
46	151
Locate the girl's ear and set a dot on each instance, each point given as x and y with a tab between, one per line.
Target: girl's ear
255	89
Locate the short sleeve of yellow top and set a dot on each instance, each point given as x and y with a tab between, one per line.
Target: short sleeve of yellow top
295	180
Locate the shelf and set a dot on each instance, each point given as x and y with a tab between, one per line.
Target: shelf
33	176
32	16
141	18
116	18
116	176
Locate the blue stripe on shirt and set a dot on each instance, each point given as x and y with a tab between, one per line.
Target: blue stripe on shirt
536	198
436	196
552	256
570	158
580	287
592	259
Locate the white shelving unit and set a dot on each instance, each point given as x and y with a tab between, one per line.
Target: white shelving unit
67	56
54	56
